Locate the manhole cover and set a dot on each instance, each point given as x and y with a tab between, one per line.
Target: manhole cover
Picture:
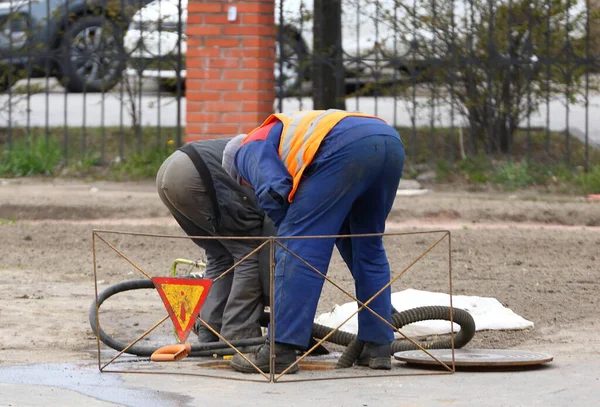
475	357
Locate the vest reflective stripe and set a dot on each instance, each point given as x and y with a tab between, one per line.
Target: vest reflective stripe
294	136
301	137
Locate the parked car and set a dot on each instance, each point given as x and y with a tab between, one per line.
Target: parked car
155	50
152	41
78	41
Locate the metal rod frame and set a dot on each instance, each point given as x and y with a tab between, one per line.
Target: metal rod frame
273	242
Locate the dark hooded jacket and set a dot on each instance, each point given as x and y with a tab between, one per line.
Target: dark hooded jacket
238	213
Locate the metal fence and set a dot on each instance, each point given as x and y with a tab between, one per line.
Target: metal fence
505	79
99	80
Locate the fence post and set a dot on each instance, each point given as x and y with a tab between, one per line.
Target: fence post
328	68
230	84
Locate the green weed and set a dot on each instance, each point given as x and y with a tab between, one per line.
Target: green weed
141	165
10	221
589	181
31	156
513	175
475	169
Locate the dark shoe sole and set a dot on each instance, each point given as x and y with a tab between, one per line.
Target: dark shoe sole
383	363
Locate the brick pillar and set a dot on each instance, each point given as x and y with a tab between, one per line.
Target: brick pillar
230	84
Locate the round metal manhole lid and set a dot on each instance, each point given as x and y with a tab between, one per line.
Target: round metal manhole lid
476	357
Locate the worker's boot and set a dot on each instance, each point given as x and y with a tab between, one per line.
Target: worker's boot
285	355
204	335
375	356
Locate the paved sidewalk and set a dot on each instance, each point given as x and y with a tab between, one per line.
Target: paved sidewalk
568	381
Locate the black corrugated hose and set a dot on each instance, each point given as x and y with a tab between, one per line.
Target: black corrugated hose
354	347
205	349
399	319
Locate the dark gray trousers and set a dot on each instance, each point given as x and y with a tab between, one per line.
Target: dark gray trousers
235	302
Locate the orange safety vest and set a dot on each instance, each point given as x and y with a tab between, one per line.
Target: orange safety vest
301	137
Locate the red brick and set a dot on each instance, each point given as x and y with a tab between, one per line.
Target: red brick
195	19
239	96
215	19
194	42
194	73
221	42
223	128
249	53
193	129
242	117
257	106
222	107
203	96
231	85
258	42
195	7
246	74
258	19
206	30
222	85
266	8
203	52
198	62
195	118
257	63
195	106
257	30
224	63
194	85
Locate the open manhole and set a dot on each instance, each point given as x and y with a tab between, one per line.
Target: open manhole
475	357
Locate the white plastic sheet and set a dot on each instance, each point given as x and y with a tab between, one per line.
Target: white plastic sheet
488	313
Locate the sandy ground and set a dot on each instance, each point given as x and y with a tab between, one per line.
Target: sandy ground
538	255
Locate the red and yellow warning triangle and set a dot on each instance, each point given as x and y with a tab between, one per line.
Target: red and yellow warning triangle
183	299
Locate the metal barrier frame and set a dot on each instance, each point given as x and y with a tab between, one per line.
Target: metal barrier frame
273	242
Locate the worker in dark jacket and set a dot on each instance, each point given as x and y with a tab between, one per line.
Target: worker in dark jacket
205	201
321	173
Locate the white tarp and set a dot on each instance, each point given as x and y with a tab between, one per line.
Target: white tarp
488	313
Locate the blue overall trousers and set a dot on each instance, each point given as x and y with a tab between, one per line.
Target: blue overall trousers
348	188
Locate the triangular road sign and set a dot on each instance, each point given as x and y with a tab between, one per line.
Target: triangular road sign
183	298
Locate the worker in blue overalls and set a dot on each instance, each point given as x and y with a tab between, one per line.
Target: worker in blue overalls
323	173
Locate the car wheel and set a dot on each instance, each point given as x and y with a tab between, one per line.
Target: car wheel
291	63
92	55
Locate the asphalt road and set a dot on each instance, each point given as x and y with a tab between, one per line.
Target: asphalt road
565	382
57	108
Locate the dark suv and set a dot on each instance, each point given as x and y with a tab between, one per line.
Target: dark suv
78	41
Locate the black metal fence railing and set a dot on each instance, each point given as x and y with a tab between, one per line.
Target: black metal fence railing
502	79
75	79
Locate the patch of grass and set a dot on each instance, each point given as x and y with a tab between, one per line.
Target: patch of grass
536	159
10	221
31	156
589	182
475	169
425	145
513	175
97	152
141	165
